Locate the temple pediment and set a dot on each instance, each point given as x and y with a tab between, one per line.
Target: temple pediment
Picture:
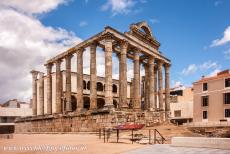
141	31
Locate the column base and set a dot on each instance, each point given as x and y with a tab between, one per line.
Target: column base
109	107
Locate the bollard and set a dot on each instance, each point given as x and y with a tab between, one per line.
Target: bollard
99	133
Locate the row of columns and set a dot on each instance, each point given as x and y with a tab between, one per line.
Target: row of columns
153	85
150	81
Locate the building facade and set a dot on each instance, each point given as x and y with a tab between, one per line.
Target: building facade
11	110
181	104
212	98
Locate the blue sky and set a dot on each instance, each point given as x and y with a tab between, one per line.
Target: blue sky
194	34
184	28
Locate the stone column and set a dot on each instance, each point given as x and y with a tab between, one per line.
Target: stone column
160	85
123	75
108	71
41	93
131	94
146	87
155	86
80	102
34	91
68	83
93	76
49	88
167	88
136	91
151	84
58	87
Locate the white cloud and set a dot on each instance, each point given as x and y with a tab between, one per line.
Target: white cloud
209	65
217	3
177	84
154	21
189	70
118	6
25	44
225	39
206	66
32	6
214	72
83	23
227	54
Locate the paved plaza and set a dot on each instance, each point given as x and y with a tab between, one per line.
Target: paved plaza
166	149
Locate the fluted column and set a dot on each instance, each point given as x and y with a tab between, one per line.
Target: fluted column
41	93
146	90
34	91
167	87
160	85
123	75
155	86
80	104
151	84
108	71
137	103
49	88
93	76
68	83
58	87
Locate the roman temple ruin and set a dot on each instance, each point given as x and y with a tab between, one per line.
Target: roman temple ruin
68	101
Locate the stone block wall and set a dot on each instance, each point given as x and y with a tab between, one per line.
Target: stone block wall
86	122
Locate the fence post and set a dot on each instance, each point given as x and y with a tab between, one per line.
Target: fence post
99	133
117	135
132	136
104	134
155	136
149	136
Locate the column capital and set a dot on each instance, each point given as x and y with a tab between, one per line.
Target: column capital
94	44
41	74
68	57
108	36
160	62
151	60
58	62
136	55
34	74
167	65
49	65
124	43
80	51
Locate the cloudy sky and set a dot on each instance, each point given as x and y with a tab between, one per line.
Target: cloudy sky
195	35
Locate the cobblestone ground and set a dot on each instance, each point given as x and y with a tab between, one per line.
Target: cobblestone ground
167	149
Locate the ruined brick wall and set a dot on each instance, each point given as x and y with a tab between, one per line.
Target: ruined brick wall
84	122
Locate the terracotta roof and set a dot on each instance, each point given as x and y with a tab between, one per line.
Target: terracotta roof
220	75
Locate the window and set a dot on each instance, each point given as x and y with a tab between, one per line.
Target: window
205	114
177	113
177	93
227	82
114	88
226	98
205	86
204	100
227	113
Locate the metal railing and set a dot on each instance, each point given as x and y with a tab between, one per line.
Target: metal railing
156	140
105	134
